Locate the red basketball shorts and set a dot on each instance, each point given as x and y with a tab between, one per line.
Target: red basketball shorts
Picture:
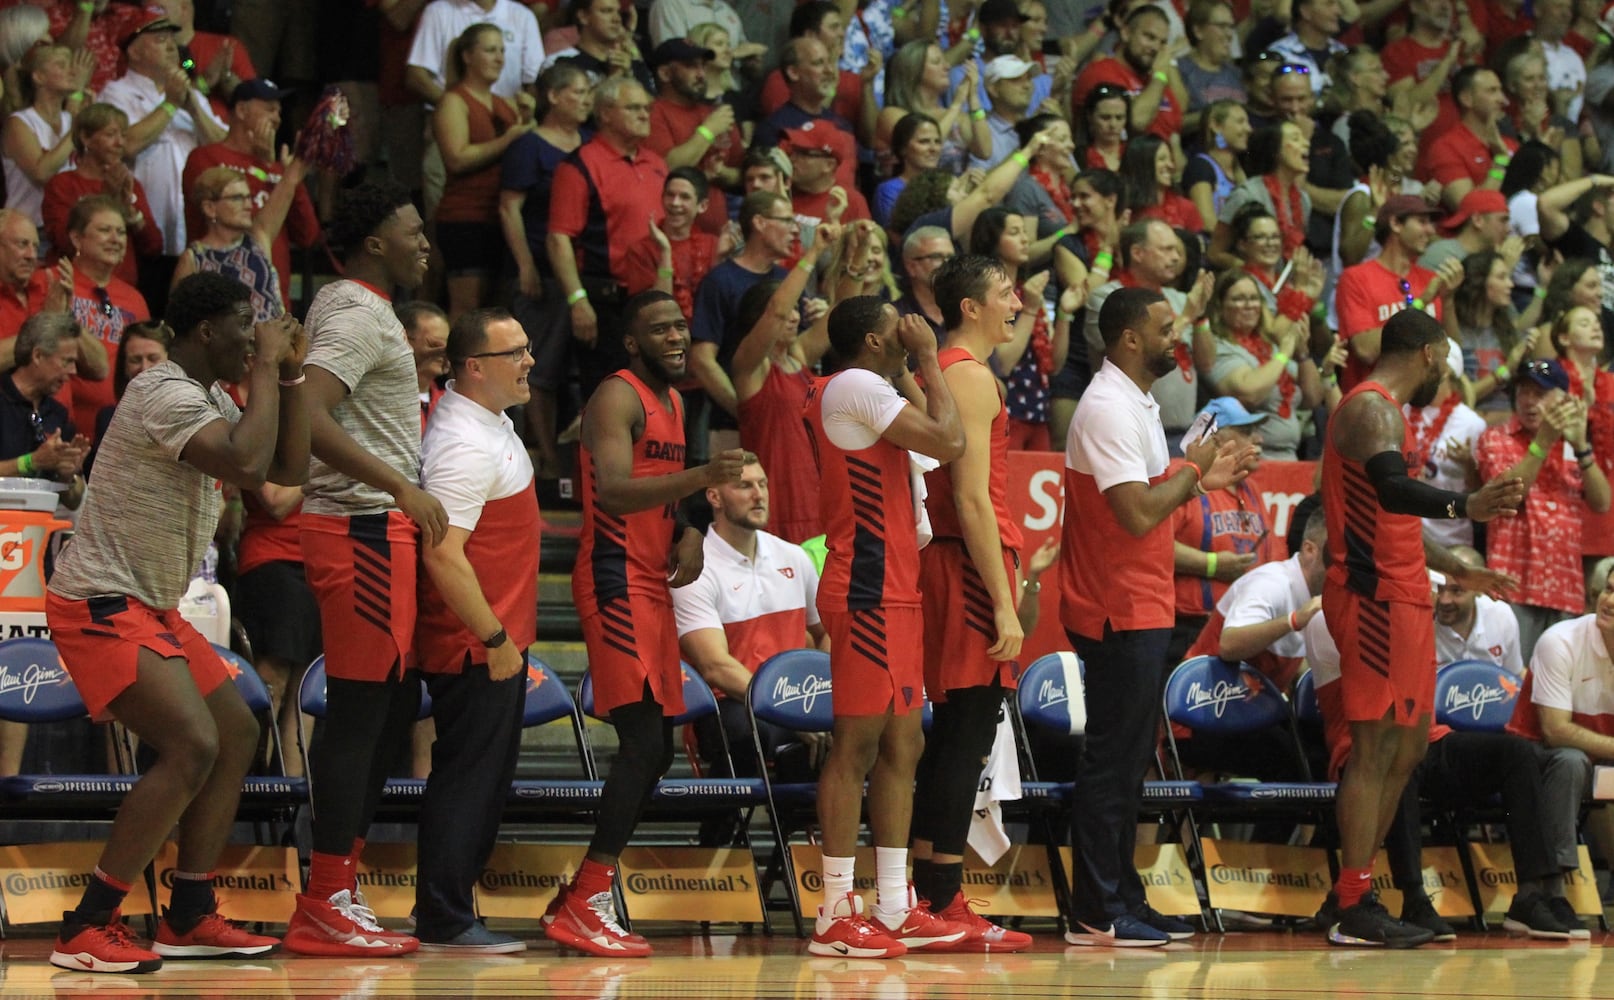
876	660
362	572
100	642
1386	656
633	641
959	624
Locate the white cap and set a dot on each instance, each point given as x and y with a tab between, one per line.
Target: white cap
1007	68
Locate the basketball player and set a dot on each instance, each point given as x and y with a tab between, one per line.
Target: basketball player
112	613
363	510
634	547
862	429
1376	603
970	591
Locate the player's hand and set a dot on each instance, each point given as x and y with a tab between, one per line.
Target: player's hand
916	336
1232	565
1223	464
1010	634
688	558
1043	559
1495	585
271	340
423	509
1498	498
585	325
505	662
1308	611
725	467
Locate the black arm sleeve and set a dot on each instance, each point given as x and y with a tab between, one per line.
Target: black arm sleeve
1399	493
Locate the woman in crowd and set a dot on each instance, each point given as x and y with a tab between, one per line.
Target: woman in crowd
917	82
1358	82
103	304
1483	322
144	345
1372	146
1101	129
916	146
473	127
98	139
723	83
1531	115
1208	70
1096	200
237	242
1264	361
1532	172
1575	282
1044	190
1279	158
1260	245
1211	175
21	27
1037	350
860	264
38	139
1150	172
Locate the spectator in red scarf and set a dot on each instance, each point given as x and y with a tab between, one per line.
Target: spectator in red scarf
1151	171
1101	128
1279	159
1038	348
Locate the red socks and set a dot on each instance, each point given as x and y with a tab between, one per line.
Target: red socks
592	878
329	874
1353	884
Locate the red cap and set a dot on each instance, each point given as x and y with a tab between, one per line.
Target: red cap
151	17
808	140
1479	201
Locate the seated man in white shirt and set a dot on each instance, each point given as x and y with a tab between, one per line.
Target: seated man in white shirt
1471	626
756	596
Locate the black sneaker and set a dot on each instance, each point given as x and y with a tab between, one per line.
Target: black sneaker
1565	912
1369	925
1171	927
1420	912
1533	915
1327	914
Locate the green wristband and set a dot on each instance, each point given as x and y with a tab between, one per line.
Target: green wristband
1210	565
1496	173
705	133
1020	158
168	106
1281	358
1503	373
1369	223
978	114
1163	78
578	296
1501	159
1536	450
25	465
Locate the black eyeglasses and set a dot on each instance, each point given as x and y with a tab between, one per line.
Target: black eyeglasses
107	308
513	354
1288	68
1105	92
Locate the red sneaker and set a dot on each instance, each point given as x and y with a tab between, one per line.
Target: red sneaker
983	934
843	932
553	910
922	930
591	927
338	927
212	937
109	948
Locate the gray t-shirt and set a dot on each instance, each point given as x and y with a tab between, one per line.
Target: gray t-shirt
147	516
354	335
1255	189
1280	436
1440	251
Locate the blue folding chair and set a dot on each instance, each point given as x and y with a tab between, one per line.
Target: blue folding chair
401	796
267	798
1475	696
547	701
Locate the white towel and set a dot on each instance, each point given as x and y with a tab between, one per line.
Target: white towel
1000	782
918	465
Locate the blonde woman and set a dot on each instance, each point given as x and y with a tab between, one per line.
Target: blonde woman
37	141
237	242
860	264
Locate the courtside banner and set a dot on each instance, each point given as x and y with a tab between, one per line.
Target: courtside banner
255	883
1167	881
1442	880
386	876
1499	880
1036	488
1266	878
1021	884
40	881
521	879
717	884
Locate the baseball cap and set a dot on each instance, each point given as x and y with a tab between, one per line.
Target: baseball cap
806	140
998	11
679	50
1229	412
258	90
1007	68
1548	374
145	19
1480	201
1400	206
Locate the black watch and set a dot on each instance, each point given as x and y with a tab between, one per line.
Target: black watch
496	640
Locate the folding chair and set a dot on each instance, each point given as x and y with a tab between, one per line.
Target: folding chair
547	701
270	799
401	796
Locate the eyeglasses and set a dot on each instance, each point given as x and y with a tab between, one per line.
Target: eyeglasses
107	308
232	197
1104	92
513	354
932	258
1287	68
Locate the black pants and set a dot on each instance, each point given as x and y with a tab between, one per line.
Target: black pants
1126	675
473	761
364	734
949	773
608	355
1468	768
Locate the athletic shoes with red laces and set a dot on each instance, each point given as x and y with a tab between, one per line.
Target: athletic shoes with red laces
108	947
212	937
339	927
843	932
591	926
922	930
983	934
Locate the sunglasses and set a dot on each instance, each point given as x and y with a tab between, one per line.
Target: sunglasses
1288	68
107	308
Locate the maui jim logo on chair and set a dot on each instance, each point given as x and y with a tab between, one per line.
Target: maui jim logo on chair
1474	700
1050	693
30	679
806	693
1222	694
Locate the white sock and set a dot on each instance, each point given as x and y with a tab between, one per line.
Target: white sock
838	880
891	879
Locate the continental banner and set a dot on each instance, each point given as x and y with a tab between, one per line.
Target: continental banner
386	876
258	884
1442	880
716	884
1167	881
39	881
1266	878
521	879
1021	884
1498	880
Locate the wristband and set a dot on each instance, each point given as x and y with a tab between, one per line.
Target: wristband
1496	173
25	465
1281	358
578	296
1583	454
496	640
665	272
1417	303
168	106
1369	223
1060	233
898	13
978	114
1605	38
1294	626
1065	317
78	95
87	6
1210	565
1031	586
1503	373
1202	326
237	504
806	263
201	86
974	34
1020	158
1536	450
289	382
1103	261
1540	293
705	133
1198	472
1163	78
1501	159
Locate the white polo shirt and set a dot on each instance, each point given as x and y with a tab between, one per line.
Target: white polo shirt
1271	590
763	605
1571	670
445	20
470	457
159	166
1494	637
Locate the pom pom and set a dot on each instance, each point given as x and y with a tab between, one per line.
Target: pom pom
326	142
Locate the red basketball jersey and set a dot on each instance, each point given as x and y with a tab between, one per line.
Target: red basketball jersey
623	554
939	503
869	520
771	426
1372	553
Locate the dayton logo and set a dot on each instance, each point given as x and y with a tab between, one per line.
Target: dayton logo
30	679
806	694
1217	699
1474	700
